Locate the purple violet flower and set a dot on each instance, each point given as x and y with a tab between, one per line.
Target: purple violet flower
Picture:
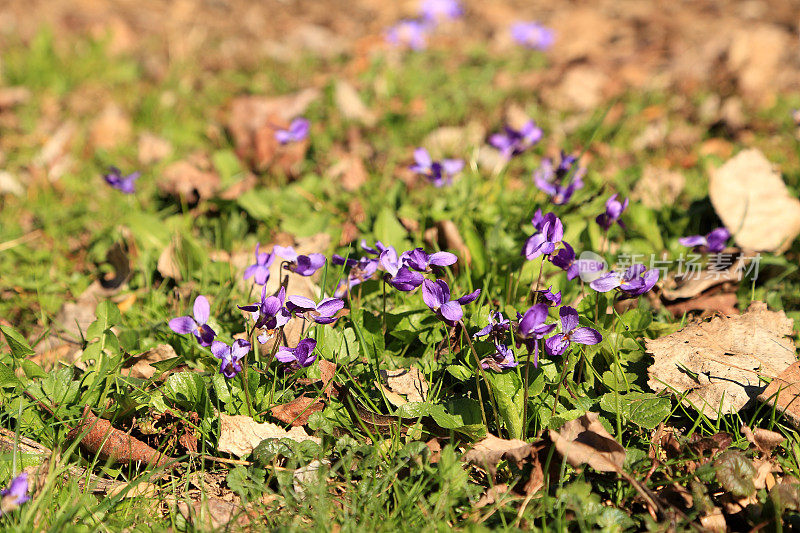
260	269
398	275
544	242
497	327
501	359
124	184
230	356
305	265
440	173
421	261
411	34
196	325
551	180
15	494
436	295
635	281
713	242
435	11
513	142
271	314
614	209
360	271
533	35
374	250
297	131
322	313
531	328
570	332
552	300
301	356
565	260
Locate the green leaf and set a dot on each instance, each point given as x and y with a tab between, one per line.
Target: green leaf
388	229
645	222
443	419
187	389
476	247
370	335
107	314
7	377
19	346
227	165
735	473
339	345
257	203
507	390
644	409
32	370
460	372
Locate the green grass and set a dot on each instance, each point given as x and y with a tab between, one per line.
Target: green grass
370	482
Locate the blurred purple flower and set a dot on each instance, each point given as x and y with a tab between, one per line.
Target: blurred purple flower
374	250
230	356
360	271
570	332
436	295
531	328
501	359
322	313
513	142
544	242
411	34
124	184
552	300
614	209
552	180
565	260
635	281
437	10
15	494
440	173
532	35
305	265
260	269
297	131
196	325
713	242
301	356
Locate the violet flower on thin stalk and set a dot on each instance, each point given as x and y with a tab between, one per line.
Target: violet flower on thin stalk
124	184
421	261
196	325
397	274
553	180
360	271
439	173
301	356
15	494
570	333
296	132
635	281
531	328
548	297
436	295
497	327
230	356
713	242
270	314
501	359
544	242
260	269
614	209
305	265
585	268
532	35
513	142
322	313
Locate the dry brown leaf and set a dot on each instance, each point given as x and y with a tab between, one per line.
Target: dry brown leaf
298	411
450	140
214	513
752	201
112	128
784	393
658	186
142	489
13	96
718	364
351	106
723	303
408	381
490	450
692	284
139	365
192	179
351	172
585	441
763	439
239	434
715	521
492	494
153	149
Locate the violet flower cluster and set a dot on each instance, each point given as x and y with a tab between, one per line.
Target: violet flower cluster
439	173
559	182
124	184
413	33
532	35
512	142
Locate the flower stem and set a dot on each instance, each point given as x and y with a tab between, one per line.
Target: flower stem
479	368
383	316
246	386
525	391
558	389
534	296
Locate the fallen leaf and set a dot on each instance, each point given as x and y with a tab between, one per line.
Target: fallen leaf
13	96
784	393
715	521
693	283
190	179
756	56
298	411
752	201
139	366
10	185
111	129
351	106
447	236
763	439
153	149
658	187
408	381
490	450
167	264
492	495
714	444
723	303
585	441
214	513
718	364
142	489
239	434
351	172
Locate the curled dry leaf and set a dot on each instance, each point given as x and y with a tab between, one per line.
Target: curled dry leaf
298	411
139	366
723	303
718	364
408	381
752	201
490	450
784	393
763	439
585	441
240	434
447	236
692	284
153	149
191	179
99	437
